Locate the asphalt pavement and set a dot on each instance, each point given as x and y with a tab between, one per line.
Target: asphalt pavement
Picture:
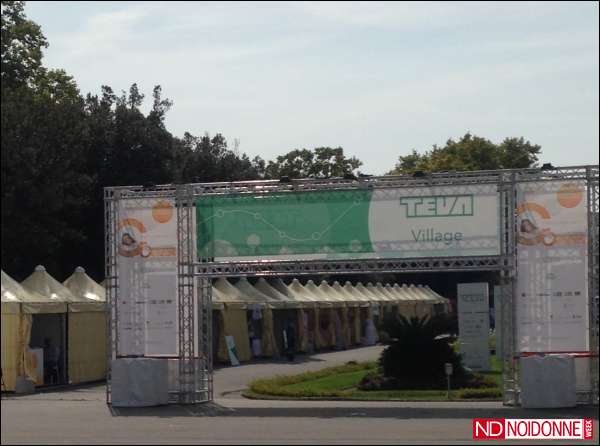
81	416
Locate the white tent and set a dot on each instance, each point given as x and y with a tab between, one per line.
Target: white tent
336	294
369	334
263	342
87	329
329	323
16	326
292	311
231	321
346	309
442	304
423	305
309	336
407	304
266	288
354	304
391	306
53	296
48	323
84	287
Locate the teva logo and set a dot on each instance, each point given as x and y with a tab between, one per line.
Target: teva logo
533	429
439	206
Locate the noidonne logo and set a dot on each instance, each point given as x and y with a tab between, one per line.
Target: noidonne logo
439	206
533	429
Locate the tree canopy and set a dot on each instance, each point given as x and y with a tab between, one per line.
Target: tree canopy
471	153
322	162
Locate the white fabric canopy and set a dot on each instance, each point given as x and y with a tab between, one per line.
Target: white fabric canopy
302	295
336	293
46	285
13	291
264	287
356	293
227	293
84	287
53	296
255	296
321	295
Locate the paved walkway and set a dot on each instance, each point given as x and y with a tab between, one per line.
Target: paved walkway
230	381
81	416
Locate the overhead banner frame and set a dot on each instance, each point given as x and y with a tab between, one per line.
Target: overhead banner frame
195	273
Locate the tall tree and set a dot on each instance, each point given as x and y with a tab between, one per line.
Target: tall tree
44	184
22	44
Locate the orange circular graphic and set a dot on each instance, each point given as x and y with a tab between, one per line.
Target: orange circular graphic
569	195
162	211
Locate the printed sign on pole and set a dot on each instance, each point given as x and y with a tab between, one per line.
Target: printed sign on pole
551	298
474	324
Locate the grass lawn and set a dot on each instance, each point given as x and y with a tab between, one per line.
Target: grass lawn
342	383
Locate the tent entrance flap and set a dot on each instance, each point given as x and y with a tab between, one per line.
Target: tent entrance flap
49	332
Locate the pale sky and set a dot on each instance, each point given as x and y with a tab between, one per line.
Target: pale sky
378	79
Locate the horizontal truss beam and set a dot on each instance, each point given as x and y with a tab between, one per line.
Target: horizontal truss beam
369	182
399	266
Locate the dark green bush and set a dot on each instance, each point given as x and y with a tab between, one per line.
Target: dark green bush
417	353
479	393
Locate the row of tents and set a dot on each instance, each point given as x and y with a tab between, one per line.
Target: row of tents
69	319
323	316
41	315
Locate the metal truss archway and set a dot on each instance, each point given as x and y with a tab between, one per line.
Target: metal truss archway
194	275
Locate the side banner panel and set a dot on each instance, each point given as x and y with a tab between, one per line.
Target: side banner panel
369	223
551	297
147	262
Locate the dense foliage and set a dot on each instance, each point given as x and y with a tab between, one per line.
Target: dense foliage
417	352
471	153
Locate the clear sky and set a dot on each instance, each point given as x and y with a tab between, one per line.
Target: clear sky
378	79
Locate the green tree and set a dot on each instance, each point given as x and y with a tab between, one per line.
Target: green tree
322	162
471	153
206	158
22	44
44	185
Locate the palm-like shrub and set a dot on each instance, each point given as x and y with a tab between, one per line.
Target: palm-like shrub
417	352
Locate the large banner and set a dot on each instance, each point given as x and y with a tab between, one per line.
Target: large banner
474	324
147	264
368	223
551	298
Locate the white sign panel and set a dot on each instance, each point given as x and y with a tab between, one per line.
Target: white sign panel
232	351
435	221
161	313
147	263
474	324
551	297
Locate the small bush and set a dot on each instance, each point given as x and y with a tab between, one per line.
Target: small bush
479	381
479	393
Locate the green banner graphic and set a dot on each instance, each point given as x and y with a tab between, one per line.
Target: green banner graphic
284	224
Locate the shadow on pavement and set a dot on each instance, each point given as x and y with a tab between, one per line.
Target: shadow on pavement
172	411
282	360
401	413
299	359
